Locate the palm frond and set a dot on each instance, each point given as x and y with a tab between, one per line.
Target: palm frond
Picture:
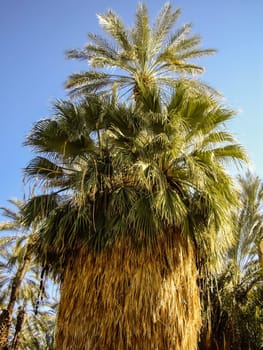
112	25
9	226
101	42
43	168
77	54
234	151
163	25
39	207
179	34
90	80
141	35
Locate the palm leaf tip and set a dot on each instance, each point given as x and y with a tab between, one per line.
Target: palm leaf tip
76	54
113	25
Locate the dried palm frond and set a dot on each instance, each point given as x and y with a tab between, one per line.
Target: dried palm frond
133	298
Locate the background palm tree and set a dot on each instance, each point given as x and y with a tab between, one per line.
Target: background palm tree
21	254
38	329
20	284
236	295
134	200
146	58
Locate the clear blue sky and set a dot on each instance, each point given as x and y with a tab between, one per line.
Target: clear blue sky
34	35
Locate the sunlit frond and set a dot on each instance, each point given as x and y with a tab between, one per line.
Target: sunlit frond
163	25
113	25
143	56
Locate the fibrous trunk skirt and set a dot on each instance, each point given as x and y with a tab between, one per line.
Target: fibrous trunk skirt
129	298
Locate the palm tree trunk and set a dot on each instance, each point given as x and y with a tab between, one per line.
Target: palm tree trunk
8	313
19	323
4	329
260	252
131	299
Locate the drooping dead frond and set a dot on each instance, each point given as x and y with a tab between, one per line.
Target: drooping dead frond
133	298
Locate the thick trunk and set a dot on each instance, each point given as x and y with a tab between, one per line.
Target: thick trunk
131	299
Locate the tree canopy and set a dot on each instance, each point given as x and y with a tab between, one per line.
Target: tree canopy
141	60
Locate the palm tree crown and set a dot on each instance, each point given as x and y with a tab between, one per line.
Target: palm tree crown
145	57
105	165
126	186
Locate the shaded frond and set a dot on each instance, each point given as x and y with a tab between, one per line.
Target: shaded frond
39	207
76	54
43	168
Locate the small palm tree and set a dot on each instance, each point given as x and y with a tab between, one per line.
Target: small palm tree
22	254
145	58
133	200
19	277
38	329
236	299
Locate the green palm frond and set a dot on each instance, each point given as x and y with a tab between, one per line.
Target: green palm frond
217	137
10	213
194	54
92	77
59	136
170	207
163	25
175	65
101	42
39	207
99	57
8	226
44	168
180	34
234	151
141	35
112	25
143	222
90	82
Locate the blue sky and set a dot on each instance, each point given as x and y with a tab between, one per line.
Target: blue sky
34	35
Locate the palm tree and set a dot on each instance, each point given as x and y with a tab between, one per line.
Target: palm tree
23	255
133	201
236	299
251	219
38	329
146	58
19	277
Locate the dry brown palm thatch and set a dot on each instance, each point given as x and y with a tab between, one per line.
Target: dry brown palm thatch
133	298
